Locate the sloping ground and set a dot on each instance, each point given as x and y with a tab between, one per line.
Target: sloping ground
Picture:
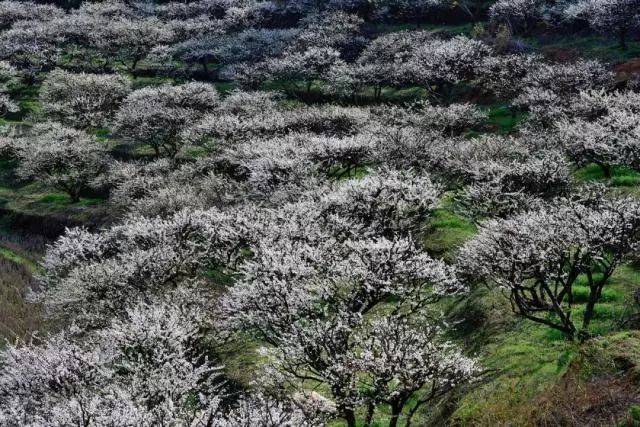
18	318
535	376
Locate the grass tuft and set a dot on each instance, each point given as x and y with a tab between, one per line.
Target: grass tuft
447	231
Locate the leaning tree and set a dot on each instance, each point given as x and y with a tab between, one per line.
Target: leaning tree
538	257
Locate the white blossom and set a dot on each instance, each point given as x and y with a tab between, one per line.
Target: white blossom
157	116
537	256
64	158
82	100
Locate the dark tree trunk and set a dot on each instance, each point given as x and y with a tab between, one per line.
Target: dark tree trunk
594	296
74	194
205	69
369	416
350	417
134	64
622	39
396	409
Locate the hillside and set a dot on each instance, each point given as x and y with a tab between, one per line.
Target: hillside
320	213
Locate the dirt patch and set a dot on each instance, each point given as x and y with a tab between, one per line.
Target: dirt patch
601	401
629	67
628	71
18	318
561	55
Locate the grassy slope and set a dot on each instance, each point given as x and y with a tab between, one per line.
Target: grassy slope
37	199
529	366
529	363
18	318
526	362
590	47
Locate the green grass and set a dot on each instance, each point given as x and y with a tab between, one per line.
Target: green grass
18	319
611	354
620	176
625	181
539	382
528	360
340	173
55	199
462	29
90	201
224	87
30	106
59	200
591	47
581	295
5	122
634	415
35	198
194	152
103	134
219	277
502	120
143	81
404	95
142	151
446	231
522	363
28	101
13	256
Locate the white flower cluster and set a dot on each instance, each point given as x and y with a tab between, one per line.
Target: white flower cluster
538	255
279	221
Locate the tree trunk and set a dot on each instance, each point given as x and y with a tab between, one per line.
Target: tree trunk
205	68
396	409
75	195
412	412
350	417
369	416
594	297
622	38
134	64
